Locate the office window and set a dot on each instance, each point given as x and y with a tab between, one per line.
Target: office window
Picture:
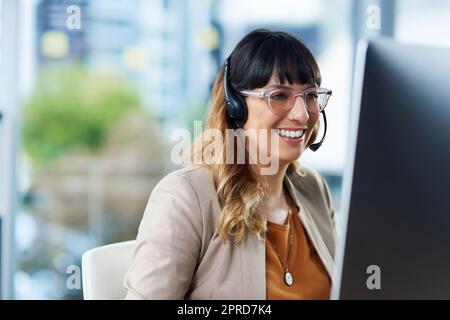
423	22
105	96
91	148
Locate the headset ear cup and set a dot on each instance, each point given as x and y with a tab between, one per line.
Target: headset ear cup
236	109
235	104
231	111
242	110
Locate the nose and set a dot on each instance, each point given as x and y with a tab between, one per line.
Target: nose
299	112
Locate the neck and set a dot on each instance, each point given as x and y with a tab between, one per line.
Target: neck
275	192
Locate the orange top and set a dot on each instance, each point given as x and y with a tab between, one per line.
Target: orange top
311	280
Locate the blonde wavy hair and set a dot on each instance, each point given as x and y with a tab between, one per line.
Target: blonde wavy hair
238	192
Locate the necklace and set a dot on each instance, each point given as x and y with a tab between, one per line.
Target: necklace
288	279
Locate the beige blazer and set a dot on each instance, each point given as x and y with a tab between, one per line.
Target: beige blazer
180	256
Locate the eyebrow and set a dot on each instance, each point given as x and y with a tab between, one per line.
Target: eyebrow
278	85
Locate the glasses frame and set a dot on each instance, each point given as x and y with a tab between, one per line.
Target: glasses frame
268	93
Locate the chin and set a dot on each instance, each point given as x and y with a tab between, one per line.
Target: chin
288	156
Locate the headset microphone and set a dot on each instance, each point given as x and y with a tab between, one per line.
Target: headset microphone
317	145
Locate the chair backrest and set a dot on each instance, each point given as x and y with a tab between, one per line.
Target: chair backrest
103	270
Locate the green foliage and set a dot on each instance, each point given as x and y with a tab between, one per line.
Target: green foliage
73	108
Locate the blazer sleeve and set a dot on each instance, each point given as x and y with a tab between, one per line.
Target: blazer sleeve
168	242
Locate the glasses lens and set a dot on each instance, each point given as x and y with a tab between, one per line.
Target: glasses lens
312	100
323	97
280	101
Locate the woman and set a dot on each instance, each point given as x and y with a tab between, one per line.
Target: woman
224	230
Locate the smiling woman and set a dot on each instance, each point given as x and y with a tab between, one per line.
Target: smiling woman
203	234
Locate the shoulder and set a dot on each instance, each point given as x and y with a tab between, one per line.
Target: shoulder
189	175
313	188
188	179
190	187
309	181
176	202
170	238
186	199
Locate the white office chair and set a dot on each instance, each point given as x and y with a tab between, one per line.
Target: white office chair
103	269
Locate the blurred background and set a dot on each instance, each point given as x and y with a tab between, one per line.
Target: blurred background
91	90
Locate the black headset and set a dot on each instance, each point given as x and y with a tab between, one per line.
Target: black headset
237	111
236	106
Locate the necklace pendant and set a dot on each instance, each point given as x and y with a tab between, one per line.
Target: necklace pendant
288	278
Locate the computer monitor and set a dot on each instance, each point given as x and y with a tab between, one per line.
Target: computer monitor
396	186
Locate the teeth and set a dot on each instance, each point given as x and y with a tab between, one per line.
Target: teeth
291	133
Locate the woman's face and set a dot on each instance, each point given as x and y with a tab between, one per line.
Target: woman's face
298	118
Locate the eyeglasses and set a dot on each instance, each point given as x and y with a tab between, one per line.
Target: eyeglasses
281	100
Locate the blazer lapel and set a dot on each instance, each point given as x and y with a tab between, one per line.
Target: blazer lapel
305	215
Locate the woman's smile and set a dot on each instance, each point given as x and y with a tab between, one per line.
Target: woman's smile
292	135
